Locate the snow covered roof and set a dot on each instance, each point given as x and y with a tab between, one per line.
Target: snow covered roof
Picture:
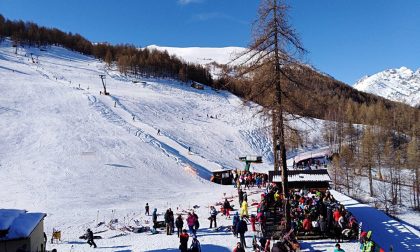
305	176
18	223
309	155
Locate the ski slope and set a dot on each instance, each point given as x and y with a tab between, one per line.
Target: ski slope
81	158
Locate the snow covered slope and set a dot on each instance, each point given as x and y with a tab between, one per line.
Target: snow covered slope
402	85
210	57
82	158
202	55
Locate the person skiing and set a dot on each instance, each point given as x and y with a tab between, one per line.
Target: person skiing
179	223
89	235
195	245
241	228
183	240
146	208
158	132
213	214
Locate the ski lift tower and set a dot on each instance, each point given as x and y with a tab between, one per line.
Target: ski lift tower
249	159
102	76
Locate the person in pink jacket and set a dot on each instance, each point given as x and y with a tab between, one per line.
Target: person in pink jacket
191	222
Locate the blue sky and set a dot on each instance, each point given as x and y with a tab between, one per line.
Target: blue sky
345	39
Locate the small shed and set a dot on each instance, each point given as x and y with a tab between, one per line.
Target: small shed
21	231
223	177
303	179
197	86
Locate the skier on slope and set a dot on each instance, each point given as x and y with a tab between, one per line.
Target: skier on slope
146	208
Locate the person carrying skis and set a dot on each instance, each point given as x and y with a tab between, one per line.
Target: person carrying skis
368	245
195	245
89	235
183	239
179	223
213	214
146	208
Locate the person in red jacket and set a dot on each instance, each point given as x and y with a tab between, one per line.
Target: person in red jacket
336	215
252	220
307	224
183	239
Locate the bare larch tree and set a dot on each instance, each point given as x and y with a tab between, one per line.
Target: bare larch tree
274	47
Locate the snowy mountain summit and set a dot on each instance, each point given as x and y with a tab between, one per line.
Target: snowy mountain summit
402	85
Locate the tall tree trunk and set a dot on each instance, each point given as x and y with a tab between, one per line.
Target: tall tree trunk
370	181
280	120
417	188
275	140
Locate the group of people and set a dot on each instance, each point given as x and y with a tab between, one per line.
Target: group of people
248	179
191	221
319	213
312	212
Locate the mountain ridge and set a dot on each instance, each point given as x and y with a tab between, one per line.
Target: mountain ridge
396	84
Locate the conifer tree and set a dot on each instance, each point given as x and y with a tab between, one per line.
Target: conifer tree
274	46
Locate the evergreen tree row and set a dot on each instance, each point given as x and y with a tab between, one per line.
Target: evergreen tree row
128	58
